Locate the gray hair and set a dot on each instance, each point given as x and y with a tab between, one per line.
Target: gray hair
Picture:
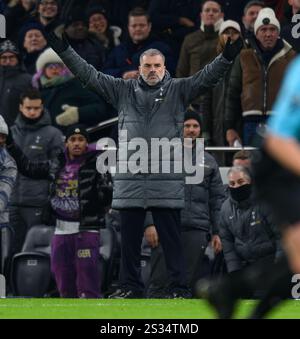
239	169
152	52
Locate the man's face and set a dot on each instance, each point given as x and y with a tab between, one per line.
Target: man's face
31	108
191	129
139	28
97	23
250	16
34	41
77	30
152	69
48	9
267	35
76	145
295	3
237	179
8	59
211	13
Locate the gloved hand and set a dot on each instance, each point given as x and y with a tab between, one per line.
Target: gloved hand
70	116
59	45
231	50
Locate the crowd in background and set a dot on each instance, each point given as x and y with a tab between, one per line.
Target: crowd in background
40	100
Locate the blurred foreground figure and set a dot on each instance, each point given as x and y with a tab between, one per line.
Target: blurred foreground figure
276	171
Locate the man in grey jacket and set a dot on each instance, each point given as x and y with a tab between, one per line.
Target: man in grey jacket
199	219
33	133
150	107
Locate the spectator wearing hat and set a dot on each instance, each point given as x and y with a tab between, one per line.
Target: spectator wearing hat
99	25
199	218
78	199
13	80
123	61
33	133
255	80
198	50
216	97
64	97
83	42
32	42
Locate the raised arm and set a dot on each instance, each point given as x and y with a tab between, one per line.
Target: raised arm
32	169
210	75
105	85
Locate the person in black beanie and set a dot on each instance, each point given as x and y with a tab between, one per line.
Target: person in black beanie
83	42
77	201
199	219
32	42
98	22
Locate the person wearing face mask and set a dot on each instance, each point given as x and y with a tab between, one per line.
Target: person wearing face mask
247	231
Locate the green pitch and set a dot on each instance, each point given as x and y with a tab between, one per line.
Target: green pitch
127	309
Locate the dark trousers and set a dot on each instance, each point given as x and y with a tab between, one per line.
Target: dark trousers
194	245
167	223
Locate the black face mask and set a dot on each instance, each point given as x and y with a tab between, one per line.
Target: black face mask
241	193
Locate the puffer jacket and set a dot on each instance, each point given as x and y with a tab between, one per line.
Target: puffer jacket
39	141
147	112
203	201
247	233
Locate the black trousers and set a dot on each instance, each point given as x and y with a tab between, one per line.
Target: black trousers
167	223
194	245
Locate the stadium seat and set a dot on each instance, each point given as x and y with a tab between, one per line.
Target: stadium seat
30	269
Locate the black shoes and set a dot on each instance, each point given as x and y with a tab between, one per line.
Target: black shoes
126	294
219	295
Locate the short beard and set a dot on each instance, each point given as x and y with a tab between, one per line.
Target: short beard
151	83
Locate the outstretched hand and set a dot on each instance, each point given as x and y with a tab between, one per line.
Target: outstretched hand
232	49
59	45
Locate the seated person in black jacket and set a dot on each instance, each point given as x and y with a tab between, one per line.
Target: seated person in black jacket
247	231
78	197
